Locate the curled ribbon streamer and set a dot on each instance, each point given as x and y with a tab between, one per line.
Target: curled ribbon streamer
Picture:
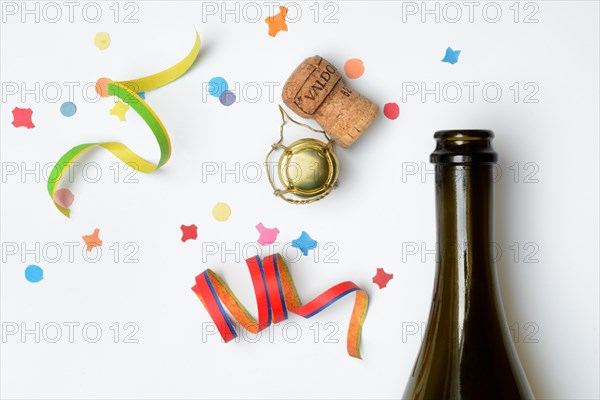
275	296
126	91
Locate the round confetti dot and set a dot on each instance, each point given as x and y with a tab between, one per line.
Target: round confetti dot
217	85
102	40
102	87
34	274
354	68
391	110
64	197
221	211
227	98
68	109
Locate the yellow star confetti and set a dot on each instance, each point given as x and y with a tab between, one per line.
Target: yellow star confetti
119	110
102	40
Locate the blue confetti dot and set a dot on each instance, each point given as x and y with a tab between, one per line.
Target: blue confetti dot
217	85
68	109
142	95
34	274
227	98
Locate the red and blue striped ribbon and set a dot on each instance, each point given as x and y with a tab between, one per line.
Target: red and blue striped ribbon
275	296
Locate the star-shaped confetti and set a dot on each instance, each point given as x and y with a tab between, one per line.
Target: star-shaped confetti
267	235
381	278
277	22
304	243
22	117
189	232
92	240
451	56
119	110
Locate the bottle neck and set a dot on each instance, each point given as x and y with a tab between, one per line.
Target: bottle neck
466	276
464	206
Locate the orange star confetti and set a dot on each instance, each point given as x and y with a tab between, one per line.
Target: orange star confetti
381	278
92	240
277	22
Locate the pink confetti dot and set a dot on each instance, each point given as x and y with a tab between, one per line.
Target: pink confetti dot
64	198
391	110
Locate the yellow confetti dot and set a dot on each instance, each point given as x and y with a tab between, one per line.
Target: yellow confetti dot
221	211
102	40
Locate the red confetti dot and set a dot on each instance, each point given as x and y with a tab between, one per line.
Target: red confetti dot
391	110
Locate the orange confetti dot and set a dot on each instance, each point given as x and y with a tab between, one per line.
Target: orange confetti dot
354	68
102	87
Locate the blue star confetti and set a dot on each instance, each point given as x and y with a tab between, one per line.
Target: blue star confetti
304	243
451	56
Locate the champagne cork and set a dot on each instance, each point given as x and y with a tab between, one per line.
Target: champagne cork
316	90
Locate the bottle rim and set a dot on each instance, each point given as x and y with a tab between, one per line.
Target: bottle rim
464	146
464	134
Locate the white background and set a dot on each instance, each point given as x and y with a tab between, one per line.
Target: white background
381	214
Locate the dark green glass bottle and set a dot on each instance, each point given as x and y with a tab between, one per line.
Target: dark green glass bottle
467	351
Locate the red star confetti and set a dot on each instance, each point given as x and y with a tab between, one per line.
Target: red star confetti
189	232
22	117
277	22
381	278
92	240
267	235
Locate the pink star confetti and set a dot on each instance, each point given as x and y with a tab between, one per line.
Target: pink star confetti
189	232
381	278
22	117
267	235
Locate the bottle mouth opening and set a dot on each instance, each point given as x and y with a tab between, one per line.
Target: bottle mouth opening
464	146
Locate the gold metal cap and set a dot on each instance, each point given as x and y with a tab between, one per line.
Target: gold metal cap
307	169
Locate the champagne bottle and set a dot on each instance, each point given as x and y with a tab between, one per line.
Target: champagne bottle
467	351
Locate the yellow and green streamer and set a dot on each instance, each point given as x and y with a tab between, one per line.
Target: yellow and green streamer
126	91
